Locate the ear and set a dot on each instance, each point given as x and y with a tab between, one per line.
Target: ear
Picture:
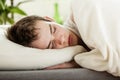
49	18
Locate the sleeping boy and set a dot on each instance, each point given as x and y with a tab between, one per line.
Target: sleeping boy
91	24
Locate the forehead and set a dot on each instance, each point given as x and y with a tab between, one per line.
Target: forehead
41	24
43	37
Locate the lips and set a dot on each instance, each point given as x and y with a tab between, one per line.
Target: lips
69	40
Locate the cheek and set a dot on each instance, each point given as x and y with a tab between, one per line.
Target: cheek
62	30
60	46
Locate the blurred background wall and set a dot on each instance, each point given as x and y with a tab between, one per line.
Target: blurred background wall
44	7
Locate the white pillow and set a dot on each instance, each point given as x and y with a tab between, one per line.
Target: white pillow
14	56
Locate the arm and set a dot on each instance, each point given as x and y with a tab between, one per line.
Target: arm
71	64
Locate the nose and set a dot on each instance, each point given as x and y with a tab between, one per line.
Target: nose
59	40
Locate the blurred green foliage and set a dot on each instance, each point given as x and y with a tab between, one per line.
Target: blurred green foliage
7	11
57	16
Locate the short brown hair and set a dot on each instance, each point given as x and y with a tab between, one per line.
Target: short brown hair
23	31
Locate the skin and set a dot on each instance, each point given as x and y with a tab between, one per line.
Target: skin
54	36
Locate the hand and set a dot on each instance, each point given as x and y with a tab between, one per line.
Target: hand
65	65
49	18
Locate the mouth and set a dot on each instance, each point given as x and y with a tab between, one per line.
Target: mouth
69	40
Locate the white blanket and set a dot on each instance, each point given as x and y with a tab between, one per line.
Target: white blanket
98	22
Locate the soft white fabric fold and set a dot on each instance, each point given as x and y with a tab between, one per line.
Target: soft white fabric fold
98	24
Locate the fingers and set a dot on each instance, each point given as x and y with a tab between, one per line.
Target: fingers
63	66
49	18
59	66
53	67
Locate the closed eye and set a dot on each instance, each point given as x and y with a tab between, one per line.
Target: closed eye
49	45
52	45
54	29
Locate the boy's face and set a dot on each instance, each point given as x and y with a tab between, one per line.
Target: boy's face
53	36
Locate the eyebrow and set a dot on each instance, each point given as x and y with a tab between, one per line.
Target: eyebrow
51	34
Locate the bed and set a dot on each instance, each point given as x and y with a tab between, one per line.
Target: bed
59	74
21	63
